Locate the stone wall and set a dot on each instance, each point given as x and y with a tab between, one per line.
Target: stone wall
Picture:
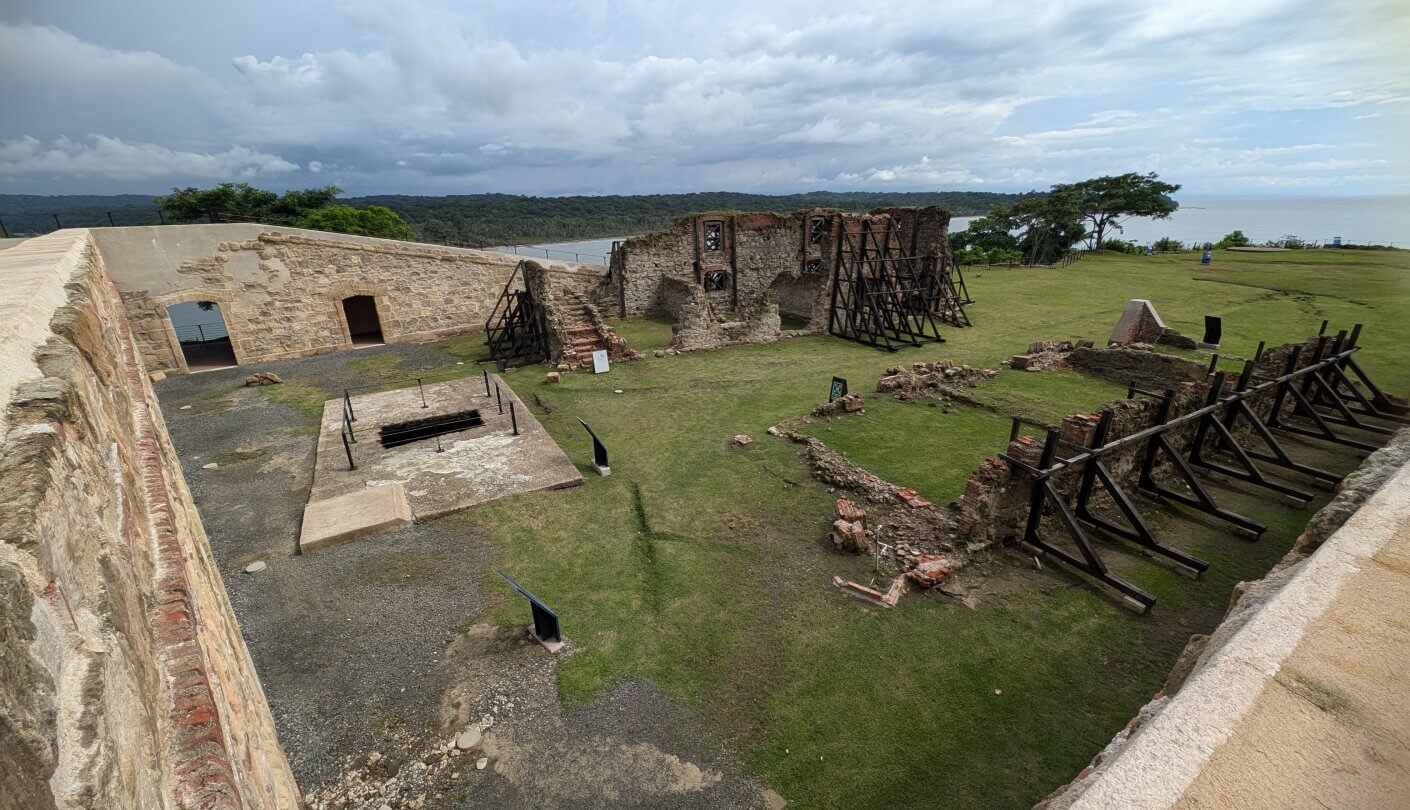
748	269
281	294
124	681
786	257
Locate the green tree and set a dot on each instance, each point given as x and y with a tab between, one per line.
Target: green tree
1050	224
992	231
1106	202
372	221
242	201
1233	239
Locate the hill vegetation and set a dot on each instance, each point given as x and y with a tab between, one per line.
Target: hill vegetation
498	219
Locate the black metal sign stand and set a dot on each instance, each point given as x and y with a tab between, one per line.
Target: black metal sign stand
599	452
545	629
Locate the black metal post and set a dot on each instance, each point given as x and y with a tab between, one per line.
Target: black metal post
347	448
513	419
423	392
347	403
498	399
161	217
57	224
110	218
487	381
4	234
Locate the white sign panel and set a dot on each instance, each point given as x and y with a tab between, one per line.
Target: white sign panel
599	361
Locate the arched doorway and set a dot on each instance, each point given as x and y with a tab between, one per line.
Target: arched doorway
364	327
200	329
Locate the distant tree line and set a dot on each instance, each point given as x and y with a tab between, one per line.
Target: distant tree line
507	219
477	219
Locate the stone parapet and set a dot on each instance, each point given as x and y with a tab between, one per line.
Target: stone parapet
124	680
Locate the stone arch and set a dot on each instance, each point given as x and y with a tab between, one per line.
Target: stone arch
386	312
176	360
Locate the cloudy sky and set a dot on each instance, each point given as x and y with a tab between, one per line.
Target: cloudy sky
1248	97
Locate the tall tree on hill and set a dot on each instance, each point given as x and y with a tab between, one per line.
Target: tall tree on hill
1107	201
242	201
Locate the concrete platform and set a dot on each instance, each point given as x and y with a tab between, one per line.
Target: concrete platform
470	467
352	515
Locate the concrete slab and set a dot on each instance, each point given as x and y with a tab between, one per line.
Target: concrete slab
354	514
459	470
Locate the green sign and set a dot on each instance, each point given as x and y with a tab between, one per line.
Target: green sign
839	389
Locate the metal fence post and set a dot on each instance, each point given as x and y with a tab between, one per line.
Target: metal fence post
487	382
513	419
499	399
348	449
423	392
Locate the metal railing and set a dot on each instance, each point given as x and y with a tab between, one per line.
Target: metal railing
201	332
348	433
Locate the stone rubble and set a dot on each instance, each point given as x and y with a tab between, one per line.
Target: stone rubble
262	378
940	378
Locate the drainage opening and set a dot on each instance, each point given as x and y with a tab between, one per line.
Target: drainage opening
399	433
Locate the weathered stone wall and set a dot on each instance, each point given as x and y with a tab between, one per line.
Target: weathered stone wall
124	681
763	254
281	295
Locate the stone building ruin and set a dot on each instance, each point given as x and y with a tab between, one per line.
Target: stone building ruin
729	277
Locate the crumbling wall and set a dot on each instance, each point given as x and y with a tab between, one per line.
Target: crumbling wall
700	324
787	257
570	301
124	681
281	294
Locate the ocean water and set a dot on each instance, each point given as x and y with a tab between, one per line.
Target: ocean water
1359	220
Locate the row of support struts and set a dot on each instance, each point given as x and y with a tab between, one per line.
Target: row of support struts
1324	396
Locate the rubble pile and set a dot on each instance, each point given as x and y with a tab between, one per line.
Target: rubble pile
1047	355
928	379
411	773
848	403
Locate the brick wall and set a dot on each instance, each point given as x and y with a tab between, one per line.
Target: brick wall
767	255
124	681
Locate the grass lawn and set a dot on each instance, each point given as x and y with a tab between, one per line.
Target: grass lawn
701	566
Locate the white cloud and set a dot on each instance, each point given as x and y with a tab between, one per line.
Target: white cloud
640	97
100	156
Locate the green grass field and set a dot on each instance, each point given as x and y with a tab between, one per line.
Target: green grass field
701	566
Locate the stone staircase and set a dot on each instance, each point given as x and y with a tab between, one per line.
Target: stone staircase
584	337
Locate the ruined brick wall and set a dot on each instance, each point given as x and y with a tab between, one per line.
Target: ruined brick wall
994	505
124	681
281	294
786	260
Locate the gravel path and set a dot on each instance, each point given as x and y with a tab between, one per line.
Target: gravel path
373	645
